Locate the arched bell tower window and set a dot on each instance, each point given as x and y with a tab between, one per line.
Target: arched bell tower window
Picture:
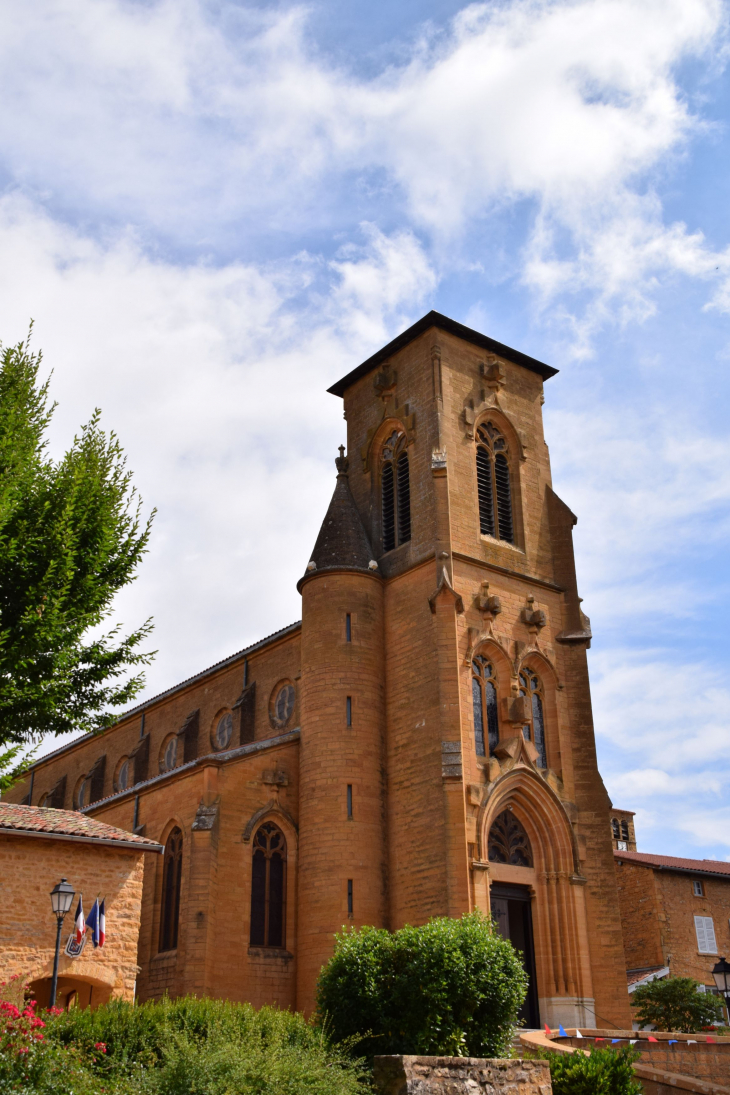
171	878
484	696
534	728
508	842
395	488
615	829
268	887
493	484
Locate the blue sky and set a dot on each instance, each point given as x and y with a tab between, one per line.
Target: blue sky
214	210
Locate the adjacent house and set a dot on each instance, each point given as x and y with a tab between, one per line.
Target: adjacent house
39	847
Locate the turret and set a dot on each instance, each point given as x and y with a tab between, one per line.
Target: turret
342	859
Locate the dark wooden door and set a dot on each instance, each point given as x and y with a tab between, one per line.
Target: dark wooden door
512	912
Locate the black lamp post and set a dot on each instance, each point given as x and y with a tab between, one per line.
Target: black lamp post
62	896
721	973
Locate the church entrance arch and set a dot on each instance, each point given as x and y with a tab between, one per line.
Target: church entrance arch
536	894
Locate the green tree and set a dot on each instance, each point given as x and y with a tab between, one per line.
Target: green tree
71	536
450	987
675	1004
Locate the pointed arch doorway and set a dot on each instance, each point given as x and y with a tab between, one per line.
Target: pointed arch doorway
511	904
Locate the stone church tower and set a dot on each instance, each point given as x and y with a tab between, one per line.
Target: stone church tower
420	745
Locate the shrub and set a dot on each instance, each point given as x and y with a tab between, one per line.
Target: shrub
675	1004
600	1072
195	1046
450	987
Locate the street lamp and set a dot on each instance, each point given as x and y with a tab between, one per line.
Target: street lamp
62	896
721	973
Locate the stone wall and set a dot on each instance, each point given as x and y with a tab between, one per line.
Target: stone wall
460	1076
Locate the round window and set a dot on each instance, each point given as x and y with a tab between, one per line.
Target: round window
169	755
223	731
284	704
123	775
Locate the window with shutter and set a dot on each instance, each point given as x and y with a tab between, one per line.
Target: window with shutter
705	931
395	492
493	484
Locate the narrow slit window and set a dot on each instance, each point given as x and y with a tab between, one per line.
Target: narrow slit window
697	888
484	698
348	710
395	486
348	628
349	897
349	800
494	487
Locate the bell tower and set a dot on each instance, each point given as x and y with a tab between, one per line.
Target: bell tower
477	746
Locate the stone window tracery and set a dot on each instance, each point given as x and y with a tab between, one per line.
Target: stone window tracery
484	698
123	778
395	488
281	705
168	754
223	731
268	887
534	728
83	792
171	880
493	484
508	842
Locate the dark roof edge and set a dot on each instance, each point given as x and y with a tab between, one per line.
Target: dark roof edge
670	867
436	319
106	842
170	692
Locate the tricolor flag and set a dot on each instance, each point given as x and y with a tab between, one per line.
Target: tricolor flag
102	923
92	922
561	1031
79	925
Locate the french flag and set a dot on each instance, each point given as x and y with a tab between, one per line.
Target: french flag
92	923
102	923
79	923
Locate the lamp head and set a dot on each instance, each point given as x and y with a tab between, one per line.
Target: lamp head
61	897
721	973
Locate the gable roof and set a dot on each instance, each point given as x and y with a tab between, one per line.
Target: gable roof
40	821
436	319
674	863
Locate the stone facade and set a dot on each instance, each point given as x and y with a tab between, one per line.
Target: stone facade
460	1076
32	862
353	732
659	898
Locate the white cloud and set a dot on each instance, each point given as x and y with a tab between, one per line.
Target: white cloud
215	380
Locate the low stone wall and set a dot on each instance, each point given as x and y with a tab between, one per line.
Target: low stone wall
399	1075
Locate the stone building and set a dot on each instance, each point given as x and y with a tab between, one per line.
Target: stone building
421	744
38	847
623	833
675	916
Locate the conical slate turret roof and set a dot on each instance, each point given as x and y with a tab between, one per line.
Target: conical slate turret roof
342	542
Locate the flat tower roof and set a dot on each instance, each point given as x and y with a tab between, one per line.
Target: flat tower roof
436	319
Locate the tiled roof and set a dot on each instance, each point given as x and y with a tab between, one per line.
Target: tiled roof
647	973
40	821
674	863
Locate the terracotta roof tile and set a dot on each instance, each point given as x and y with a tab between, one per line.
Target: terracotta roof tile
67	823
670	862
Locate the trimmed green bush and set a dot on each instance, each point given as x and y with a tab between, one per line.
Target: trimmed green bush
450	987
675	1004
601	1072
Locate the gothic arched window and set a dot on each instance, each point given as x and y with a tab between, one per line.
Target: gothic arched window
624	830
484	696
493	484
395	488
615	829
534	728
508	842
268	887
171	877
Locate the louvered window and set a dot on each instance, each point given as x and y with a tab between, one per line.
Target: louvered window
534	728
171	879
395	492
705	931
484	698
493	484
268	887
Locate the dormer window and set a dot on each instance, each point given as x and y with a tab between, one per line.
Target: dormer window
395	492
493	484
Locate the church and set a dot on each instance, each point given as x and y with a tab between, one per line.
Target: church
421	744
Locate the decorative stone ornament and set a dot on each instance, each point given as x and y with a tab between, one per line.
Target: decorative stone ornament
493	374
489	605
534	618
